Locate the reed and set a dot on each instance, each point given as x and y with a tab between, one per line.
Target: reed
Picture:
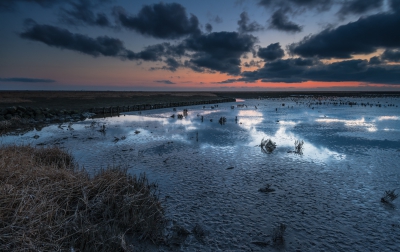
298	146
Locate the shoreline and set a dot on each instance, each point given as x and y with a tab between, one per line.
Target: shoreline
27	109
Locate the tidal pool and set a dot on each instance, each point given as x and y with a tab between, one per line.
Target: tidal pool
210	173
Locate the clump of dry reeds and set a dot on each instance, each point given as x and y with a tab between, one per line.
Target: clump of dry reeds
267	145
48	204
298	146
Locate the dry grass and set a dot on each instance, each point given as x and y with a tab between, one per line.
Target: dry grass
47	204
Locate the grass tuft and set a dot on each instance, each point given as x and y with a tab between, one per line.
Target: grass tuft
48	204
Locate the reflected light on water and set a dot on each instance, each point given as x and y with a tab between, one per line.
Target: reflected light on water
351	123
249	118
382	118
286	139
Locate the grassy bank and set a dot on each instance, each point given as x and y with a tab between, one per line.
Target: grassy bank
48	204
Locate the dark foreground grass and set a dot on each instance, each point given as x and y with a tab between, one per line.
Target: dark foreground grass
48	204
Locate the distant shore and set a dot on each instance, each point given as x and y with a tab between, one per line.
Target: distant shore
82	101
21	109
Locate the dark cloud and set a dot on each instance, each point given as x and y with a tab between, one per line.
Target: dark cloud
301	70
150	53
363	36
375	61
359	6
165	21
64	39
9	5
271	52
171	65
395	5
280	21
218	51
209	27
29	80
165	81
245	26
228	81
288	70
81	12
105	46
391	55
287	5
252	63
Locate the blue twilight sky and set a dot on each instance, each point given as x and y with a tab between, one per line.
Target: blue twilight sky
200	45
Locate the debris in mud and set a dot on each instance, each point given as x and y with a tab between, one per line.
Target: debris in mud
267	145
177	235
137	132
180	116
103	129
222	120
230	168
266	189
298	147
278	233
199	232
36	136
389	197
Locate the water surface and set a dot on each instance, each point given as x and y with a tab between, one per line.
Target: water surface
328	197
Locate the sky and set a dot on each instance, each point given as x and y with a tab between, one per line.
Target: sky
208	45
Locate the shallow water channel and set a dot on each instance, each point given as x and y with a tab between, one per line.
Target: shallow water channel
210	174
